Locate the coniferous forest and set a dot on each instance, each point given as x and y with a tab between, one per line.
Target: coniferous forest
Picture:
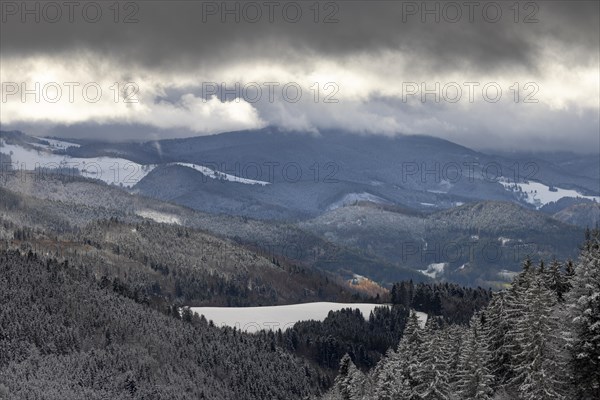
537	340
66	337
68	334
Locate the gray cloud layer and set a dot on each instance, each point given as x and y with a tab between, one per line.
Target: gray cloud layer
172	34
177	37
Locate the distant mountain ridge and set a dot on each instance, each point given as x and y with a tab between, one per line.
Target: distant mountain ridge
342	203
308	174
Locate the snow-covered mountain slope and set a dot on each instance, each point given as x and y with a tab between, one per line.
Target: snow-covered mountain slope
213	174
270	174
118	171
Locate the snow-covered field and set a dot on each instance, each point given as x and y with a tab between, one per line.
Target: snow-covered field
253	319
539	194
220	175
118	171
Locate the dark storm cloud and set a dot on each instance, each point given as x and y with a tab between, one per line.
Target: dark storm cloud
183	35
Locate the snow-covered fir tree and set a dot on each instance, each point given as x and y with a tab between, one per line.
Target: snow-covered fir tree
474	379
387	379
350	382
537	340
556	280
584	313
433	367
538	364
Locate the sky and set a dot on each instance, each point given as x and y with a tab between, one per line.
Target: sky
484	74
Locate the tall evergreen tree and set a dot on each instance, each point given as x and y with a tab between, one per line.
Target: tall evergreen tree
584	311
557	281
475	381
387	378
350	380
398	373
433	367
538	365
505	308
409	351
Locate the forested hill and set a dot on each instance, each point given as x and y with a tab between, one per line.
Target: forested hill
65	337
538	340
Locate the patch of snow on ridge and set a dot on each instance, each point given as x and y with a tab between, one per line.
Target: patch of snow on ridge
156	216
55	144
353	198
356	279
213	174
434	270
504	240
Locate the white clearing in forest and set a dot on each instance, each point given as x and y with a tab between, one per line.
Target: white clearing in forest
539	194
213	174
254	319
